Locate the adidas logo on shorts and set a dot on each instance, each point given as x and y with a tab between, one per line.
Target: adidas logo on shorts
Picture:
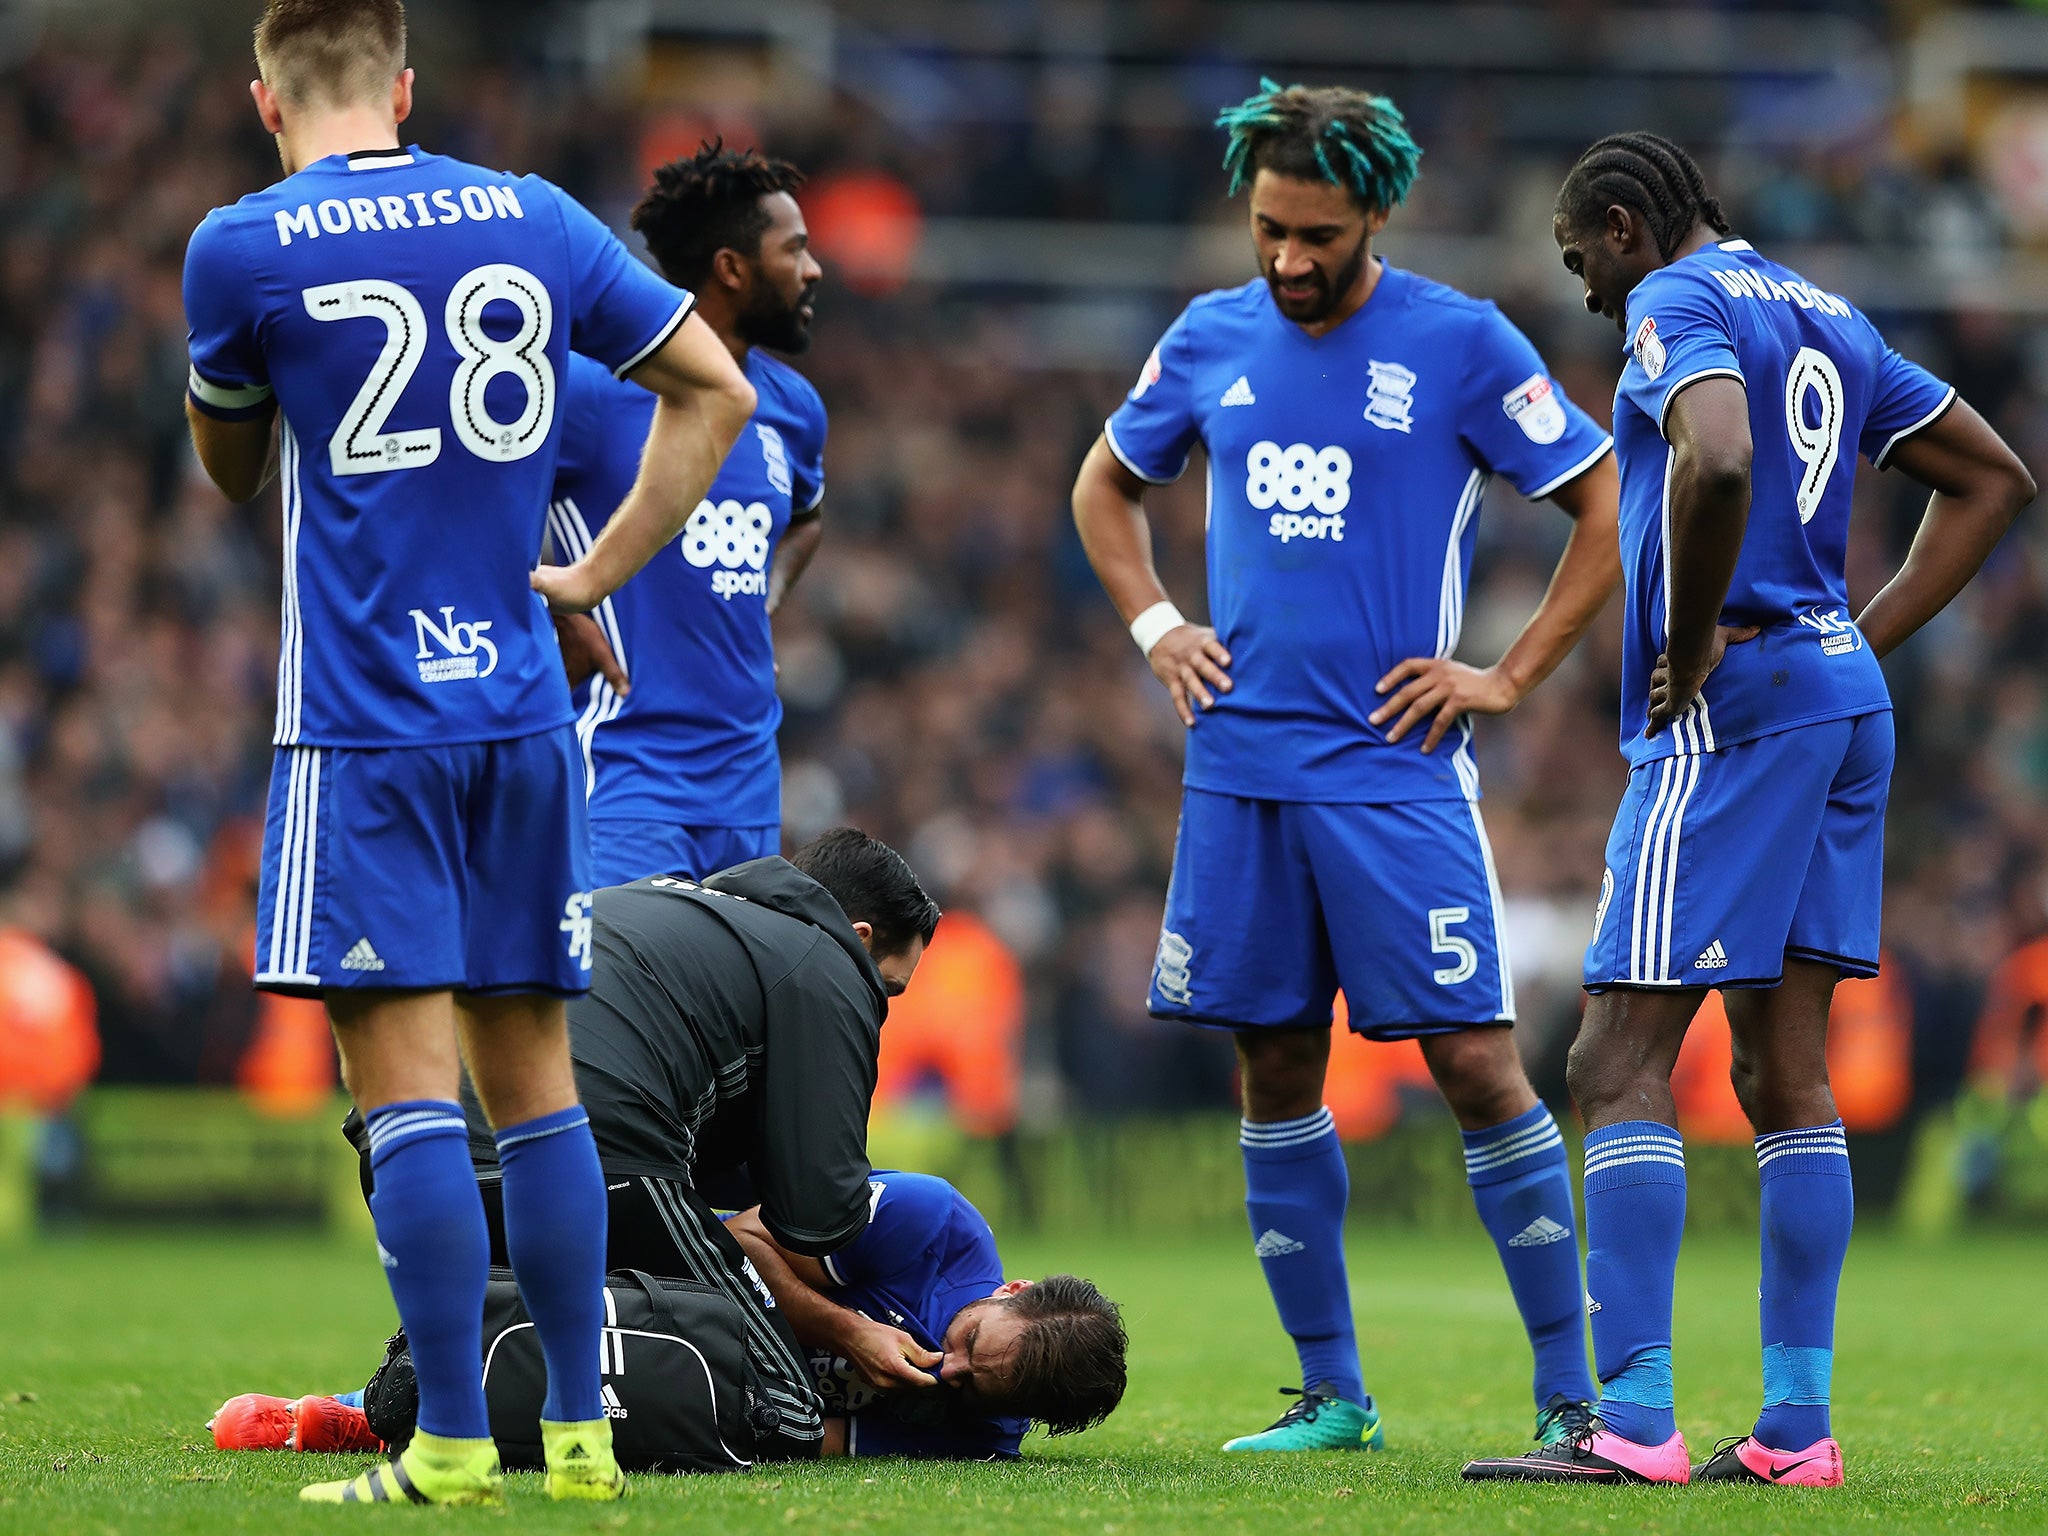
1712	958
1539	1233
362	958
1273	1244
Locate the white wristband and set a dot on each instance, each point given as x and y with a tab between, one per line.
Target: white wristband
1149	627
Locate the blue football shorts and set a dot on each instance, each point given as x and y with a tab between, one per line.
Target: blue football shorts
1275	904
624	851
1723	863
465	867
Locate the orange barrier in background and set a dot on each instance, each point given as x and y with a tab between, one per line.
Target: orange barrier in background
962	1024
49	1026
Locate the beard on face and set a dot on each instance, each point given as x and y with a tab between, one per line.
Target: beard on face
769	322
1328	290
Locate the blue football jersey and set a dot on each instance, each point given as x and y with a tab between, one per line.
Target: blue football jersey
694	741
1345	477
1820	381
413	317
925	1253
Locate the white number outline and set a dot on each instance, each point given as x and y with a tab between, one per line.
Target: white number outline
483	359
405	343
1444	942
1818	448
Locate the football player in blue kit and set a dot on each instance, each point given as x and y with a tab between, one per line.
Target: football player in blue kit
682	768
1330	833
386	330
1748	853
923	1284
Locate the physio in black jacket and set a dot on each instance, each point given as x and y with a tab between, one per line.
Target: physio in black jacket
729	1039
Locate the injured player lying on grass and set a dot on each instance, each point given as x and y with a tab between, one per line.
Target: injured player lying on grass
918	1346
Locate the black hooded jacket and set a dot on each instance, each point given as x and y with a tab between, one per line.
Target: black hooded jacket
731	1022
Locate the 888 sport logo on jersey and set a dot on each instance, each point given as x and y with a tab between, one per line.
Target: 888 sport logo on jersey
734	538
1309	486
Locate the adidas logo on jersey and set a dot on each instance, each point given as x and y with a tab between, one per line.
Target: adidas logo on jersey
1239	393
362	958
613	1408
1539	1233
1273	1244
1712	958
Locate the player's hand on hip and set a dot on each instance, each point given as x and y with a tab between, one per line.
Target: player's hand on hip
568	588
1672	690
887	1357
1190	660
585	651
1436	685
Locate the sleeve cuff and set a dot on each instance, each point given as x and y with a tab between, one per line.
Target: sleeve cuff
1921	425
660	338
1718	371
810	507
833	1272
1578	469
228	402
1109	437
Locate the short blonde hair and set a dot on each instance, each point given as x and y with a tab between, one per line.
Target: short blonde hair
333	53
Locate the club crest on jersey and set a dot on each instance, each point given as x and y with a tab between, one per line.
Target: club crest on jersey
459	641
1390	396
1533	406
1648	347
1147	376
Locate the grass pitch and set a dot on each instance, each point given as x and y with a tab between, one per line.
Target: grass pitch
113	1349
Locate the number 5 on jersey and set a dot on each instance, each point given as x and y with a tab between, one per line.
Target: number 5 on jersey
361	446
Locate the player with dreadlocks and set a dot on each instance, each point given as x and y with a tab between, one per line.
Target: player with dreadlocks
1748	853
1353	414
682	769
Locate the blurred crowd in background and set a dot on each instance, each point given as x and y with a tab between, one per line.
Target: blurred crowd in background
955	681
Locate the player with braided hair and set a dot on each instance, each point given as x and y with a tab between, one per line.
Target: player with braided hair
683	772
1748	853
1353	414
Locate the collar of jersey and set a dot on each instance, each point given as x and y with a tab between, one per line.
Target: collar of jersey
1388	274
369	159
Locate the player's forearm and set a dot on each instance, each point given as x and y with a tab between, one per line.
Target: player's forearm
1708	490
1587	574
793	558
686	443
817	1322
1955	538
1979	487
1110	518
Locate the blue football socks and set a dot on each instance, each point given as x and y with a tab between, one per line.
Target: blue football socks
1296	1192
555	1238
1808	1209
1635	1214
1522	1184
436	1253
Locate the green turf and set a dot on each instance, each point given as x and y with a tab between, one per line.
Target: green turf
113	1350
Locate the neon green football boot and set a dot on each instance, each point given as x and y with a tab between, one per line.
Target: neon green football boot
580	1461
1562	1421
431	1470
1319	1421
